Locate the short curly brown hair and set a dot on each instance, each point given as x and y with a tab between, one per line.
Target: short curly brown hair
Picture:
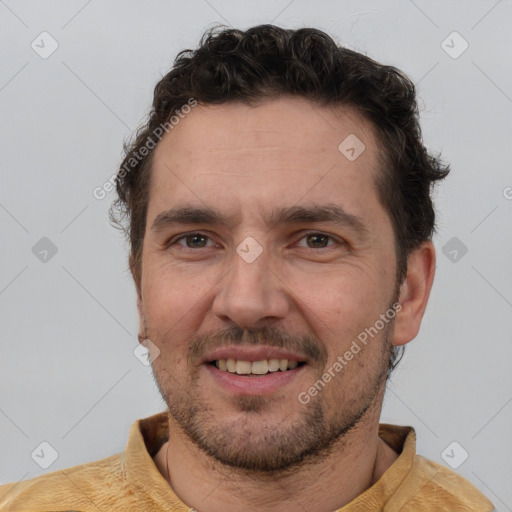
265	62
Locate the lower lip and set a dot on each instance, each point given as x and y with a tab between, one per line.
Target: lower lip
253	385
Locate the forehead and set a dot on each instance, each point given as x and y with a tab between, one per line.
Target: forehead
280	152
294	127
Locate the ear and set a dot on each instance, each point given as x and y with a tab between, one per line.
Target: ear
414	292
140	310
142	322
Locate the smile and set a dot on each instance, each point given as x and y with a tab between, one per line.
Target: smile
241	367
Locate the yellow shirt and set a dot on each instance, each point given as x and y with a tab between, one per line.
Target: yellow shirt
130	481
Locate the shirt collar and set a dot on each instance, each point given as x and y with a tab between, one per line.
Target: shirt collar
147	436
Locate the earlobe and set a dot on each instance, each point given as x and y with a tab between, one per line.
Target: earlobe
414	292
135	274
140	308
142	328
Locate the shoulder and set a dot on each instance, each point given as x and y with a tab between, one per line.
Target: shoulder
431	486
78	488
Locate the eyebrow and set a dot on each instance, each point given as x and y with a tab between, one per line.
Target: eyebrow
329	213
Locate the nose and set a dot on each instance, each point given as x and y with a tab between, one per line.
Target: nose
250	293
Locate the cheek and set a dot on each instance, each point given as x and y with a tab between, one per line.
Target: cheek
167	309
172	294
341	300
338	308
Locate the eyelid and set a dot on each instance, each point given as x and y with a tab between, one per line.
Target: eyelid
334	238
173	240
181	236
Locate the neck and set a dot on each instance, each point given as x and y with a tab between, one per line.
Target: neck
354	465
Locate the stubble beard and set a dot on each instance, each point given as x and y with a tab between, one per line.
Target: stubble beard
255	443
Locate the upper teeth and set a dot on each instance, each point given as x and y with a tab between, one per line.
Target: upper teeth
255	367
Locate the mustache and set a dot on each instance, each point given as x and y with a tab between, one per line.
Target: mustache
271	336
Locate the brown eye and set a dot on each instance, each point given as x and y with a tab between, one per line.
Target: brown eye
192	241
317	240
195	240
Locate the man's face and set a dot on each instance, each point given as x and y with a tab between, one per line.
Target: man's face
237	288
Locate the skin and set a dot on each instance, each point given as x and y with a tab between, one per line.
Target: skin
228	452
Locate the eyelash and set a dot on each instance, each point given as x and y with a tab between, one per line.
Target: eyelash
175	240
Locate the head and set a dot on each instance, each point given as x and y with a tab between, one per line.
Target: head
277	202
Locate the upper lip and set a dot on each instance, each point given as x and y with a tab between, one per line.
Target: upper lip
252	353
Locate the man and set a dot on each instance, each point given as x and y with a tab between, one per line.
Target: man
280	223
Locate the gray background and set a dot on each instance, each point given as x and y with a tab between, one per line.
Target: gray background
68	375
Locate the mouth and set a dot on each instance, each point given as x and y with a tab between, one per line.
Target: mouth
253	370
256	368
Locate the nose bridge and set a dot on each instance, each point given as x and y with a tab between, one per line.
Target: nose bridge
249	290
